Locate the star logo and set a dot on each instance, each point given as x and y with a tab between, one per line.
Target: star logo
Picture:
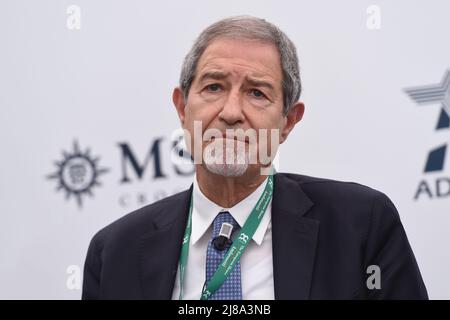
431	94
436	93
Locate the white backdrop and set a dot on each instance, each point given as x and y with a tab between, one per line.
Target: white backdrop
100	75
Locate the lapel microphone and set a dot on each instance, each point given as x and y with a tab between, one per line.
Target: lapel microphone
220	242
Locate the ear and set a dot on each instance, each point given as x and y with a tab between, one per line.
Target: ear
294	115
180	104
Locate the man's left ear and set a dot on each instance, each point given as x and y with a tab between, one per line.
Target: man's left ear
294	115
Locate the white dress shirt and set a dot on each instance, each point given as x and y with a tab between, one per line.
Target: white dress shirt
256	261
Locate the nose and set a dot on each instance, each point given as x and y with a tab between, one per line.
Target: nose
232	112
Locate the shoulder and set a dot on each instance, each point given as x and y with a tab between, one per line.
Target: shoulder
142	220
343	199
322	188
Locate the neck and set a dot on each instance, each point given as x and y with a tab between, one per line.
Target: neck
228	191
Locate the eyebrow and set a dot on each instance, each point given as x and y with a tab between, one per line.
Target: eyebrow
219	75
216	75
260	83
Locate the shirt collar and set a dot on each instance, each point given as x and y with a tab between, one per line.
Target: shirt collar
205	210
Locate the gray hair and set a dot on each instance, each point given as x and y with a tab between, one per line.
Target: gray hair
247	27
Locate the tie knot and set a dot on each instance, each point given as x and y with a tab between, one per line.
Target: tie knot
222	217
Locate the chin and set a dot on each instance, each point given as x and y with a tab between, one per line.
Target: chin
227	170
225	160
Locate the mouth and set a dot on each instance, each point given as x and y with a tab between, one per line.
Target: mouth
235	138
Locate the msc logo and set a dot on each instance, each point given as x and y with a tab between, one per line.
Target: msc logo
77	173
435	162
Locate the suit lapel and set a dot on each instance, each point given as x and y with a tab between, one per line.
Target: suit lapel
294	240
160	249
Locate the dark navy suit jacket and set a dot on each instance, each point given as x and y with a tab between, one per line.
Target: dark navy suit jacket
325	234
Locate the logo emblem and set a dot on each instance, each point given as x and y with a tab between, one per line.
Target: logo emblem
243	237
77	173
432	94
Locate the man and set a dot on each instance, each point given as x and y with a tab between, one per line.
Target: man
242	231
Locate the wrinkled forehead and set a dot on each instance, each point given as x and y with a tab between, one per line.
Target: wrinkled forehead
249	57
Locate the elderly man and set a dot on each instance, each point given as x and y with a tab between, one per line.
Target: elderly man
243	231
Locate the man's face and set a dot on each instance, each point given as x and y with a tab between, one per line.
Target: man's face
237	86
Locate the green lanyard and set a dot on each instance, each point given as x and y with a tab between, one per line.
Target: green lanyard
237	249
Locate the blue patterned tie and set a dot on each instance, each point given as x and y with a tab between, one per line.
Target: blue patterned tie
231	288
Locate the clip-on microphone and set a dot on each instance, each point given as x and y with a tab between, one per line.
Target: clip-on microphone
220	242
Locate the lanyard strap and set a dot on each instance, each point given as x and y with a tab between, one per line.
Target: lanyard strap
237	249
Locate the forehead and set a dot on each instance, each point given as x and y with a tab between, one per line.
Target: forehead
242	57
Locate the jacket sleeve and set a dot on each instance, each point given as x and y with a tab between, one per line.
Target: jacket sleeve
92	269
388	248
